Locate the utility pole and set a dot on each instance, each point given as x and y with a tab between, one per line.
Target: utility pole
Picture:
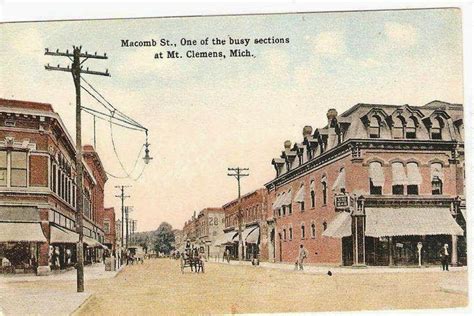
76	69
128	209
237	173
122	197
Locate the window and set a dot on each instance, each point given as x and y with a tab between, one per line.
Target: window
324	191
414	178
302	206
398	127
437	178
325	226
313	199
290	233
313	230
303	233
284	234
436	128
410	129
374	127
53	178
399	178
18	168
3	168
290	209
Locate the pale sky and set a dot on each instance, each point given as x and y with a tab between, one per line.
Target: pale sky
205	115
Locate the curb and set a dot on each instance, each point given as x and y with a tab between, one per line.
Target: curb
84	302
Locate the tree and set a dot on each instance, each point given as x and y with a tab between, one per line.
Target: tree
164	238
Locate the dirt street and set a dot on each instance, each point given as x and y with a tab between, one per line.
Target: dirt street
159	287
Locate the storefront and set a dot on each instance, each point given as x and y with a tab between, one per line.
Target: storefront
63	243
19	246
396	236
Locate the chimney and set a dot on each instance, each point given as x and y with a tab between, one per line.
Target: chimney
307	131
331	115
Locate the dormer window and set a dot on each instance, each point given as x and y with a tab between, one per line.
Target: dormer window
398	127
410	129
436	129
374	127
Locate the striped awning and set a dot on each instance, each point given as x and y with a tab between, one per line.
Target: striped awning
385	222
63	236
340	226
21	232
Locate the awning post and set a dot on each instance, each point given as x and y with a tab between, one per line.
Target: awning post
358	233
454	251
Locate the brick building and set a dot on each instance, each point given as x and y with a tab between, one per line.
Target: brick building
254	225
108	223
370	185
190	231
38	192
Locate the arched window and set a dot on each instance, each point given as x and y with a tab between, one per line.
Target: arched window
284	234
398	127
410	128
437	178
312	194
376	177
324	190
313	230
436	129
303	232
399	178
374	126
325	226
414	178
290	233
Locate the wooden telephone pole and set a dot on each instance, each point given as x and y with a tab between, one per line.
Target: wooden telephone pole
122	197
237	174
76	69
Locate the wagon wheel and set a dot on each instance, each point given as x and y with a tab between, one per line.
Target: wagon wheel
182	264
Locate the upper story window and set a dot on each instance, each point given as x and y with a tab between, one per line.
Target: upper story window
437	178
106	227
398	127
313	230
324	190
303	231
436	130
312	194
290	233
399	178
410	129
414	178
376	177
13	168
374	126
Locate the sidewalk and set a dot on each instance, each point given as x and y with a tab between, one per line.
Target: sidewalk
91	272
312	269
31	295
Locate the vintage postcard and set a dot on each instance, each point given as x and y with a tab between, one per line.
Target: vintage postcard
233	164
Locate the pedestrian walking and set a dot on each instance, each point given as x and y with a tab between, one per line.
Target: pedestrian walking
302	254
444	254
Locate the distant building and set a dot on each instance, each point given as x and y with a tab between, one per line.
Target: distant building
38	190
178	239
370	185
109	228
210	224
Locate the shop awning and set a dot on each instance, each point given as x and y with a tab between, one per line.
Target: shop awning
225	239
413	174
252	237
63	236
18	232
340	226
286	200
91	242
384	222
399	177
299	197
245	233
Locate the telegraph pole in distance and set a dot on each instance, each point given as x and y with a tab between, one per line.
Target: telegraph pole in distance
237	173
76	69
128	209
122	197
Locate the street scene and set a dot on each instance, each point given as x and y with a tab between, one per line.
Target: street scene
128	187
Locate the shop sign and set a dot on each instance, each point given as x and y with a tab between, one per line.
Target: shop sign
341	201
